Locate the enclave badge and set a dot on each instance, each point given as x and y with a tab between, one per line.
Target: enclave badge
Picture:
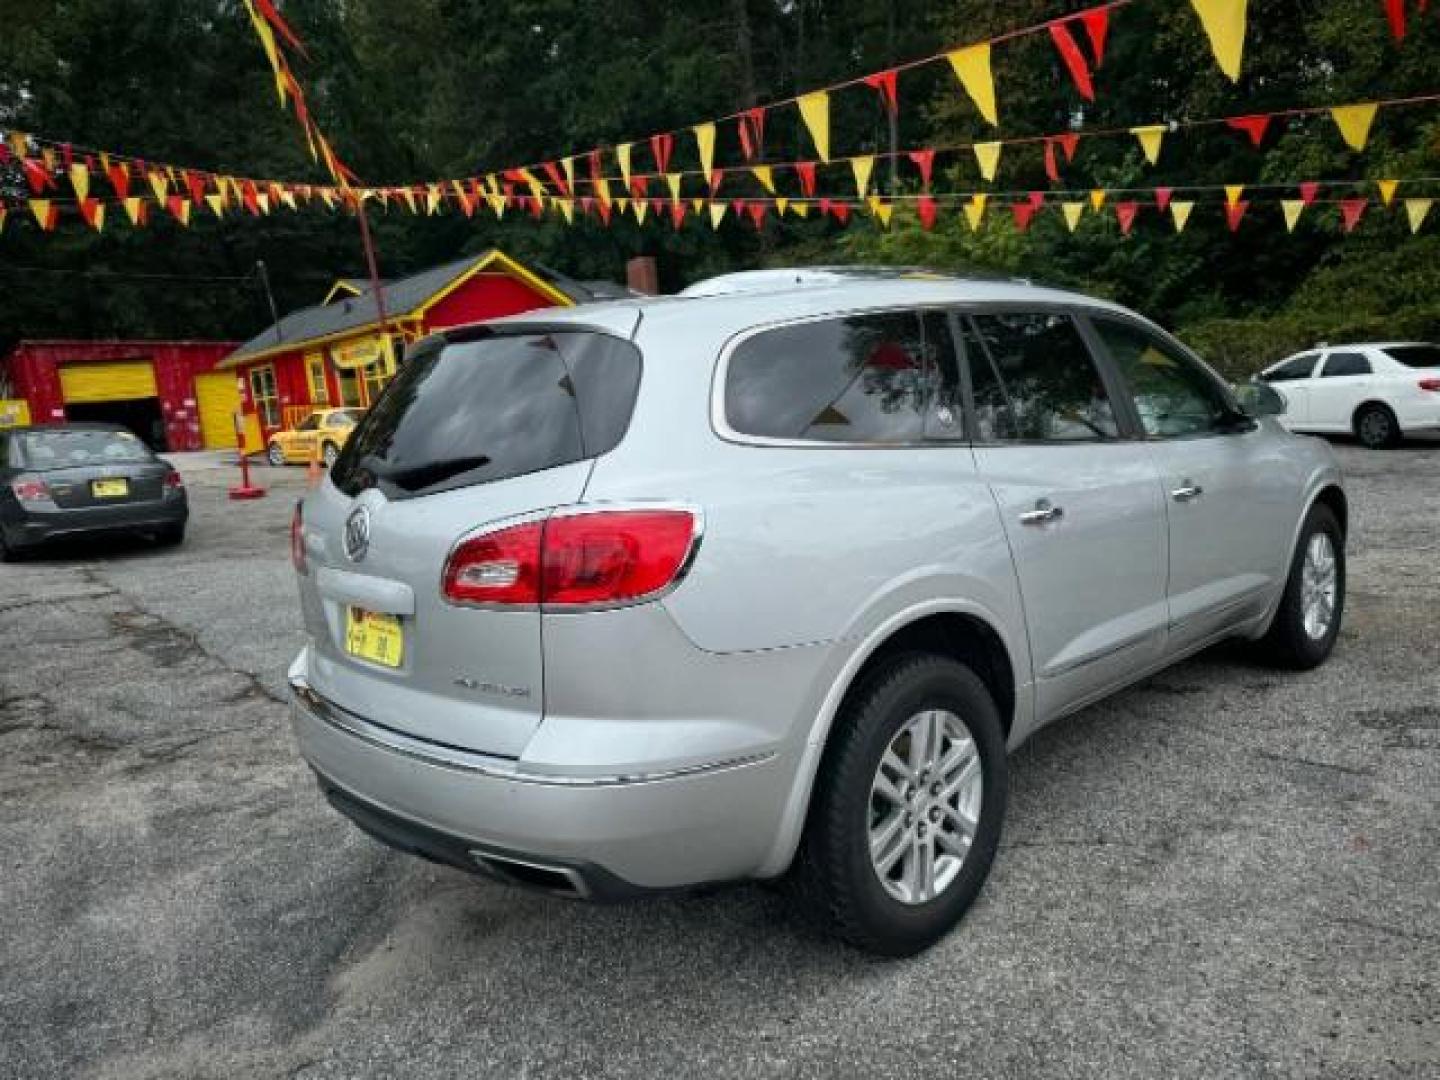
356	539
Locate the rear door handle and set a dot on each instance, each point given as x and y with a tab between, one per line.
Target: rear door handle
1044	513
1189	491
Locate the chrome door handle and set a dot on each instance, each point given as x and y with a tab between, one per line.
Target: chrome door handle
1044	513
1187	492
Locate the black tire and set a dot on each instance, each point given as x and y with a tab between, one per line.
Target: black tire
1287	643
833	877
274	455
1376	426
171	535
328	453
8	553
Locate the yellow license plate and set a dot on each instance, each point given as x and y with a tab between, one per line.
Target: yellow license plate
374	637
110	489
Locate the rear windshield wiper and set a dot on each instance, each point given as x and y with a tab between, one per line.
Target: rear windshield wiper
421	476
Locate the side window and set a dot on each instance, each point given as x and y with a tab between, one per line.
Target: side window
863	378
1299	367
1345	363
4	450
1173	394
310	423
1034	380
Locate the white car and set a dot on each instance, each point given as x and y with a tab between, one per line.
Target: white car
1377	392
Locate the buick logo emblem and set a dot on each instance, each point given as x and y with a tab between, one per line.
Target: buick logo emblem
357	534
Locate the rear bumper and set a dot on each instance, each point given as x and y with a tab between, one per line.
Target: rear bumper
27	526
594	837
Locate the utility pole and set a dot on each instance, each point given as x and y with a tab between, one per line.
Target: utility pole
269	296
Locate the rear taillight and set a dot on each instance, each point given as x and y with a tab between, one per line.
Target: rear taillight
574	560
297	539
29	489
173	481
1430	384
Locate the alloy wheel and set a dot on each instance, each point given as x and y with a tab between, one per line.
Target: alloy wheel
1319	585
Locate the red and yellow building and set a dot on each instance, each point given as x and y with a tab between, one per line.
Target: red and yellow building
336	354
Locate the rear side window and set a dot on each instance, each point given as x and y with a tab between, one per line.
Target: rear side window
473	412
859	379
1419	356
1345	363
1298	367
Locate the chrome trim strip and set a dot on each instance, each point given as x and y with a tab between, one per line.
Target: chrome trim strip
449	757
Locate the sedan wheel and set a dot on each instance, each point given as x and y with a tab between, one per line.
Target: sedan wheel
275	455
1318	586
1376	427
328	454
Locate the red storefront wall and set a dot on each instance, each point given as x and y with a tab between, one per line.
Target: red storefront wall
34	368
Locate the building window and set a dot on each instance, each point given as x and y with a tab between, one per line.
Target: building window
351	392
263	394
315	371
375	379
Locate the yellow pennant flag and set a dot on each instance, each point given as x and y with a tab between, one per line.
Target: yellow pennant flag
602	190
781	205
972	68
80	180
1072	212
673	180
217	204
623	203
1224	23
497	205
641	208
1387	190
567	210
327	196
717	214
288	198
975	210
622	155
880	209
987	156
1292	209
800	209
696	205
181	210
1416	211
1354	123
815	111
160	184
568	165
1233	193
1097	198
766	178
432	199
705	142
409	197
97	219
1150	137
48	156
133	210
1180	213
862	167
41	209
263	201
19	144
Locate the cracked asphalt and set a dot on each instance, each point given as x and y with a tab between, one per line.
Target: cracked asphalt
1225	871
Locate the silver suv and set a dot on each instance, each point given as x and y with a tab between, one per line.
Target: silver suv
766	580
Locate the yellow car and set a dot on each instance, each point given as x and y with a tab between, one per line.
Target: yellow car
324	430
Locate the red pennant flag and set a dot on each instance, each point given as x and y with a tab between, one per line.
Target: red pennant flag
1125	214
716	176
1350	211
38	176
1308	190
556	177
1097	24
272	16
1052	170
824	207
1395	12
657	205
925	207
840	211
752	131
67	155
1068	142
1024	212
195	184
179	208
602	207
595	167
1254	126
1074	59
586	203
1162	198
660	148
90	211
677	212
757	214
1233	213
738	207
924	161
639	186
884	84
250	197
536	206
1037	199
806	171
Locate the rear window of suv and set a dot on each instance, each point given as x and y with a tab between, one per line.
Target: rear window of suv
475	411
1415	355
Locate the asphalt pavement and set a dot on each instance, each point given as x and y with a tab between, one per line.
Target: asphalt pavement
1225	871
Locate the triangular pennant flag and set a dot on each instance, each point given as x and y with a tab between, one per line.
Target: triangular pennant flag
93	213
1068	141
1072	212
881	210
717	177
622	155
179	208
1150	137
160	184
1097	23
1023	212
1308	190
1162	198
815	111
262	200
1253	126
556	177
80	181
137	210
717	214
19	144
1354	123
1180	213
800	209
660	148
1291	208
567	166
925	209
1234	211
1125	214
677	214
1074	59
1233	193
1395	12
883	83
862	168
972	68
622	204
641	208
752	132
432	199
1052	170
766	177
705	144
36	174
673	180
216	204
119	176
1416	211
1037	199
840	211
1097	198
924	161
975	210
46	213
1350	212
806	171
987	155
781	205
1224	23
1387	190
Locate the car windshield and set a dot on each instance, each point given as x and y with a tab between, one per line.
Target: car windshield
66	449
346	417
1418	356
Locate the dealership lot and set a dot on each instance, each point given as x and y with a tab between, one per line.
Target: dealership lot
1223	871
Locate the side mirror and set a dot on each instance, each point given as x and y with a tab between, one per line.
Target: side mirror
1260	399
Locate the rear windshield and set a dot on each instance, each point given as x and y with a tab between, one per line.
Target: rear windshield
472	412
1415	355
65	449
